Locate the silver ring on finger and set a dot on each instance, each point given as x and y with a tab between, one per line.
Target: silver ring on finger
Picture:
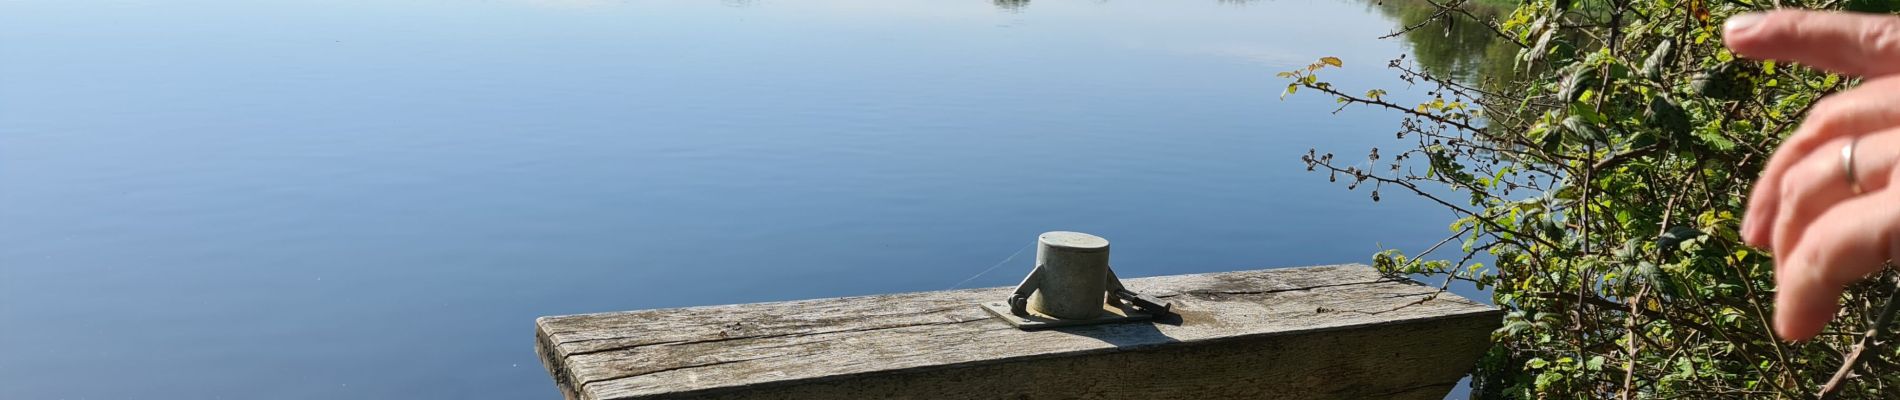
1847	164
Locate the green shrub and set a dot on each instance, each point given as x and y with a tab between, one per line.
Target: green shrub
1600	188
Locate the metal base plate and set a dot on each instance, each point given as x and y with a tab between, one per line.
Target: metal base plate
1111	313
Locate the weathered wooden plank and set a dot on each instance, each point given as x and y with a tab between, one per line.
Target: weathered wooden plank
1314	332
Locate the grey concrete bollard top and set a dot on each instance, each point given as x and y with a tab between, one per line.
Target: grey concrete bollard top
1074	277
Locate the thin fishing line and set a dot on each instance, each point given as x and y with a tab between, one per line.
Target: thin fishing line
1012	256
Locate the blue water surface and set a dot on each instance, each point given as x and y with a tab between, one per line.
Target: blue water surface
205	199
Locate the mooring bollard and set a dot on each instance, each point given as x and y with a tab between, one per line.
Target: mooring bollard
1072	284
1074	281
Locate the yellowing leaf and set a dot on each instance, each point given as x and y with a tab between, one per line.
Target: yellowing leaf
1333	61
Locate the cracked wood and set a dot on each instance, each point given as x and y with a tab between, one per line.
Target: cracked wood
1339	331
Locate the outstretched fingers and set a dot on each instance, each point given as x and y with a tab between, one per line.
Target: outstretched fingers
1824	235
1844	245
1820	182
1861	111
1855	44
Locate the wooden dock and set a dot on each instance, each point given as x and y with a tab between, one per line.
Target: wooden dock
1341	331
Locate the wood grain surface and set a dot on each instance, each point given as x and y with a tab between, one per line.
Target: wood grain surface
1341	331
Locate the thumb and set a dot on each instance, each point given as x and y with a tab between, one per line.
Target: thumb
1865	45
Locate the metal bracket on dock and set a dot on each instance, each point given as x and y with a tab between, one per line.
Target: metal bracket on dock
1072	284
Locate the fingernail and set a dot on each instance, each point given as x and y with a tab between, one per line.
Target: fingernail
1751	233
1740	23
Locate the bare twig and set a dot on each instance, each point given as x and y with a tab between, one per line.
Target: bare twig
1867	341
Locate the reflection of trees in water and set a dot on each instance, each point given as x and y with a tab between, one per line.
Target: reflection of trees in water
1460	49
1457	47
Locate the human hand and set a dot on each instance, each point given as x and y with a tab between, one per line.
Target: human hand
1825	233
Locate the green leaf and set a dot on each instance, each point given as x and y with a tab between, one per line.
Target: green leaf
1652	66
1583	131
1537	52
1663	114
1724	81
1575	82
1333	61
1715	140
1588	114
1675	235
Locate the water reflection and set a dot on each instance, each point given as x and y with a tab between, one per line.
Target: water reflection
1456	47
1459	48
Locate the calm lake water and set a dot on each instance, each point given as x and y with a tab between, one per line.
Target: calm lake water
374	199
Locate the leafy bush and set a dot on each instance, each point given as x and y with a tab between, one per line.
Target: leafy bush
1600	187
